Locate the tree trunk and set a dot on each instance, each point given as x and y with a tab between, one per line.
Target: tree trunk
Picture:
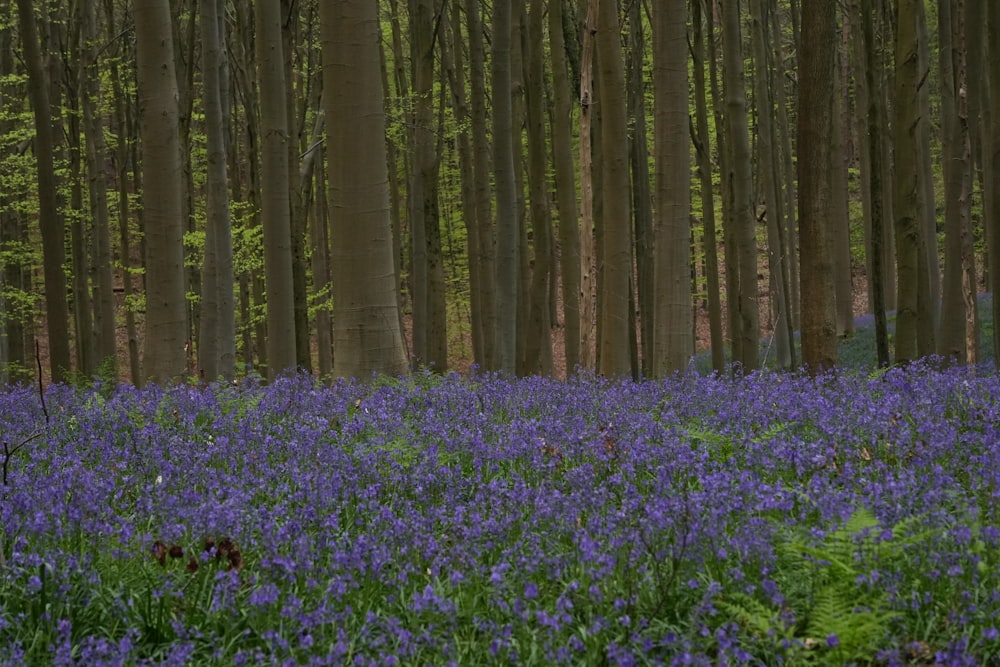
319	233
562	158
709	235
672	339
485	254
992	194
96	153
49	219
786	175
429	335
928	269
538	348
616	242
817	63
588	250
162	193
875	122
367	337
840	215
642	198
505	317
453	63
768	168
968	257
906	185
746	325
217	352
275	199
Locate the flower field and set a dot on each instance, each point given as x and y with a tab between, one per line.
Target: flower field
775	519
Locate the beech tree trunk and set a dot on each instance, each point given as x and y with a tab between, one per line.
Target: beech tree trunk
746	318
565	180
709	233
906	185
366	335
217	351
672	344
817	63
588	249
162	194
538	342
49	219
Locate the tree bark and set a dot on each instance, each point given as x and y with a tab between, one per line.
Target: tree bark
96	154
367	337
768	170
672	344
928	266
565	179
746	324
875	122
217	352
275	199
538	349
49	218
817	63
709	234
588	250
616	242
430	342
162	193
505	316
906	188
992	194
642	197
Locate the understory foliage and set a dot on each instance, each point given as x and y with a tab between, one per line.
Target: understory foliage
772	519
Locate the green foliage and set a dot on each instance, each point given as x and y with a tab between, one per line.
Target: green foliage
834	612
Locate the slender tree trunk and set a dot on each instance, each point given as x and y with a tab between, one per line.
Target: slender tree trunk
453	63
162	193
429	335
875	123
817	62
86	342
367	337
217	353
50	221
979	114
505	318
96	152
485	255
562	157
642	198
275	200
785	175
951	329
840	218
538	348
124	215
703	150
907	181
992	194
616	242
588	250
968	259
928	269
768	168
671	342
747	325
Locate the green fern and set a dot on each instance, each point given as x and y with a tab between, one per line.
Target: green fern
837	619
838	605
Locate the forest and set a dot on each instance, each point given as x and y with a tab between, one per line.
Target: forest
503	332
200	190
